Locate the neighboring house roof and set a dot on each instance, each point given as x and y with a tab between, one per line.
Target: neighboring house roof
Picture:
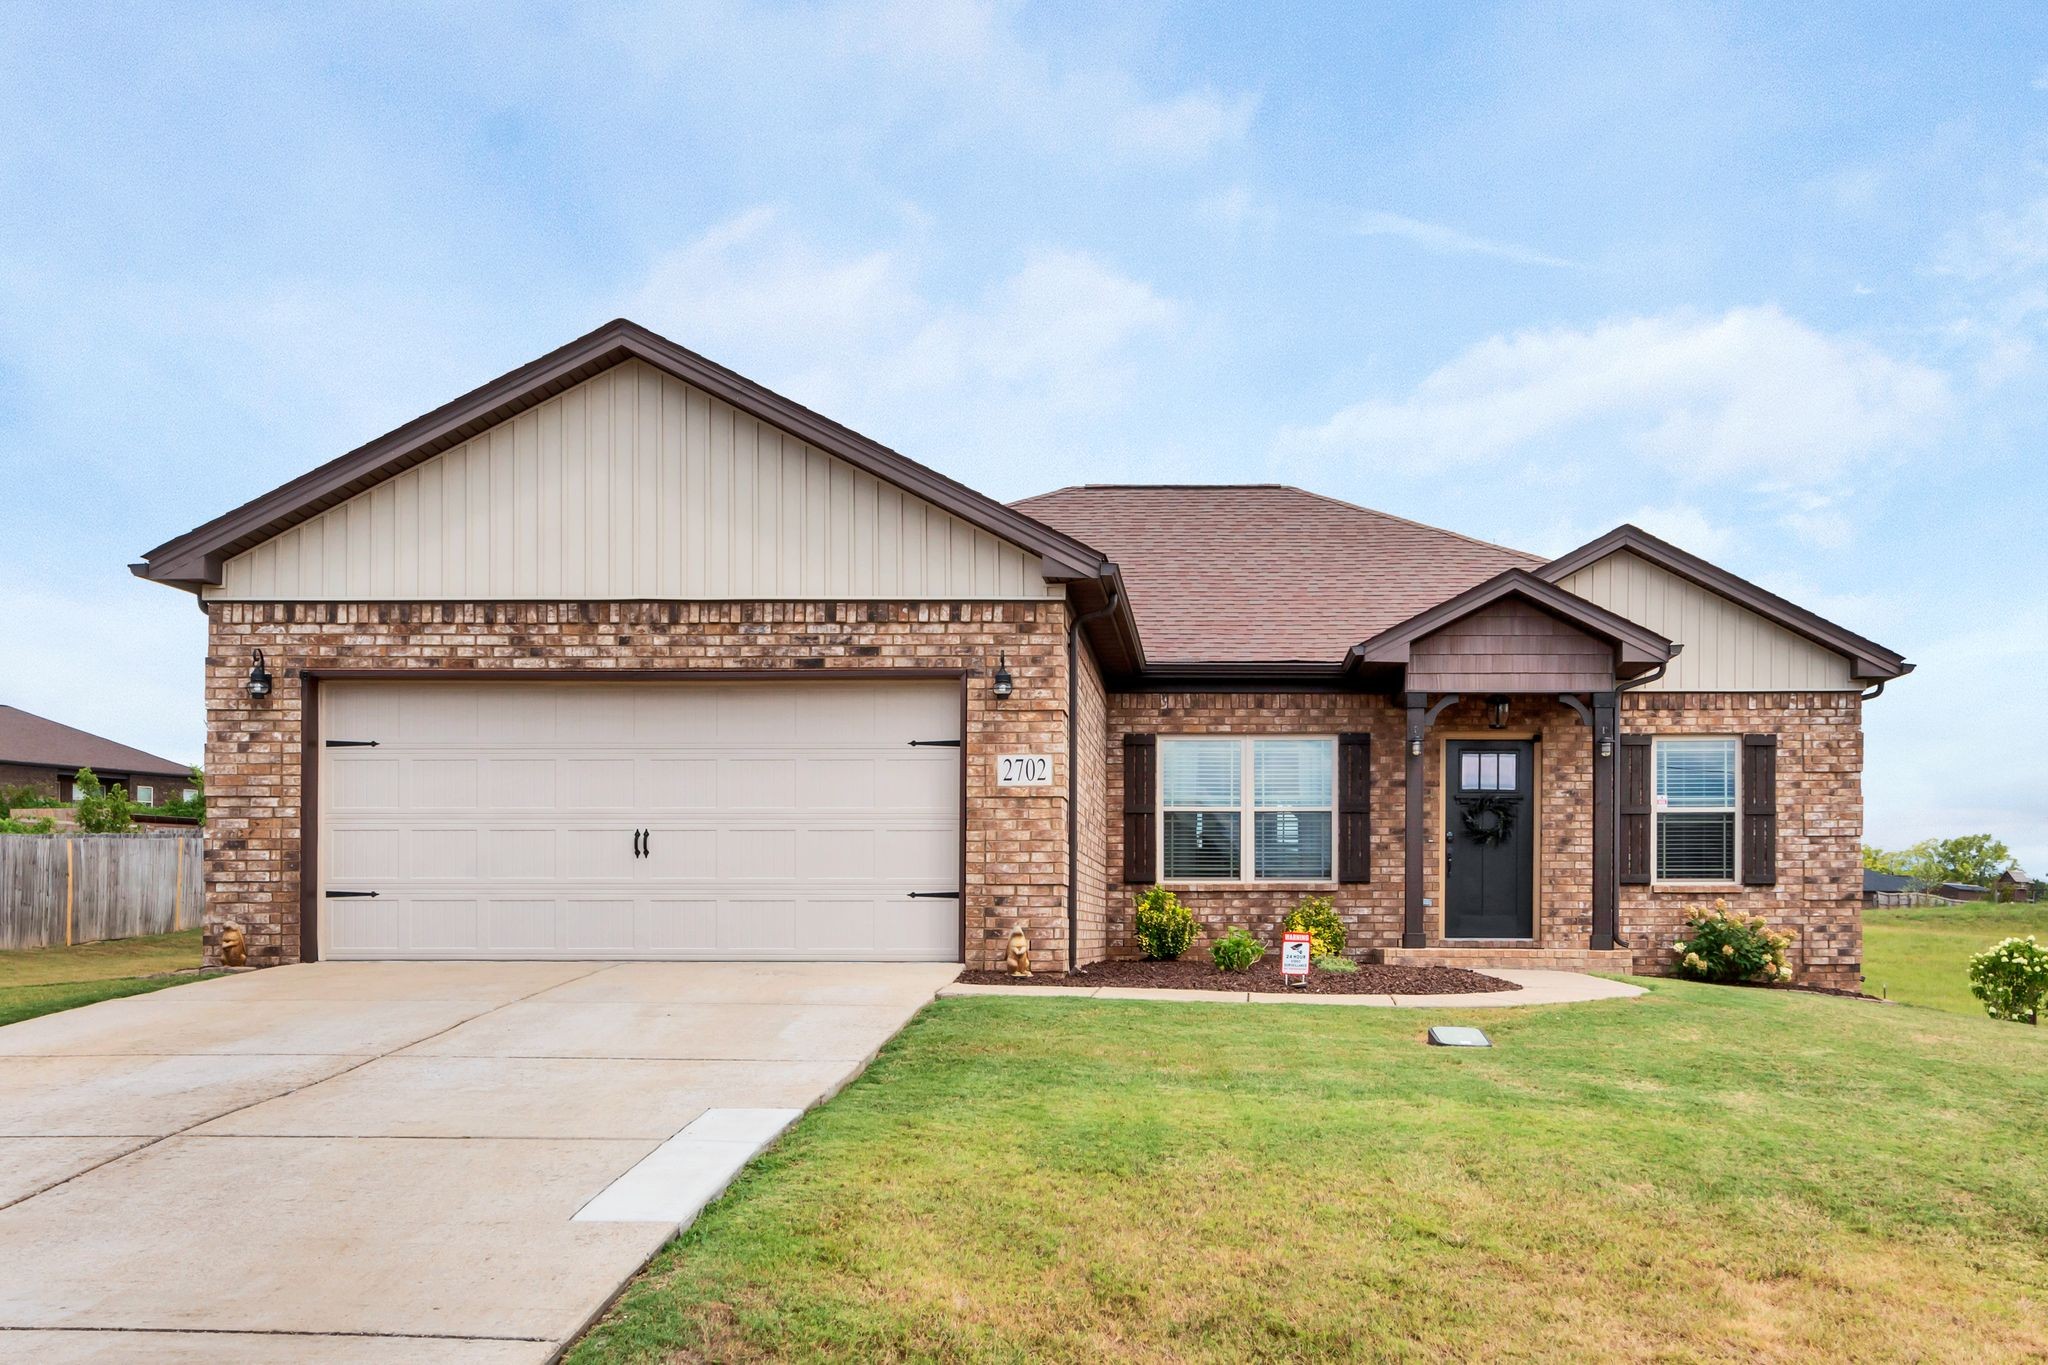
193	560
1235	573
1869	661
1960	886
1885	883
36	742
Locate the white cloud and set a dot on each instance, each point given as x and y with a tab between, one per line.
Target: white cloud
1686	527
1750	395
1449	241
1998	243
952	70
856	334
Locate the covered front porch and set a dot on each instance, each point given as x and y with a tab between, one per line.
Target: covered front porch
1512	758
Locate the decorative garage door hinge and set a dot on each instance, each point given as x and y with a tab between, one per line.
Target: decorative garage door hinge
935	895
351	743
351	895
934	743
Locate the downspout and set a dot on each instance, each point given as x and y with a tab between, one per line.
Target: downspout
1074	769
1619	688
1874	693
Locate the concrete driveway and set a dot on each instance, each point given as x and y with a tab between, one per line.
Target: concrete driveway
382	1162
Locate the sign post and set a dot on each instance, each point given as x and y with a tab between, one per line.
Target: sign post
1294	955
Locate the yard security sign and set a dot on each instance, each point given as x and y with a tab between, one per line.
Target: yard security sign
1294	950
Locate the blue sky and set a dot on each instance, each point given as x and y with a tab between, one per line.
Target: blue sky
1773	287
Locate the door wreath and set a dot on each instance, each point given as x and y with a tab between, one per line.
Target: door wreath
1488	820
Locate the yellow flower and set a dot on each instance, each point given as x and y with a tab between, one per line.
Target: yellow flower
1727	950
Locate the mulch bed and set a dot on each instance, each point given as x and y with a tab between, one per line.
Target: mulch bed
1197	974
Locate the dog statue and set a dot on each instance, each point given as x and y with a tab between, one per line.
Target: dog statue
1019	956
234	947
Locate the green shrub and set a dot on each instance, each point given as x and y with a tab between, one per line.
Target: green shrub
1165	927
12	797
1340	965
1317	918
194	808
1719	946
101	811
1236	951
2011	978
9	825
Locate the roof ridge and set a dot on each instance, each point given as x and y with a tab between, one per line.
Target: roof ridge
1425	526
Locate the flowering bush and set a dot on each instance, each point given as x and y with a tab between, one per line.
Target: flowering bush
1164	926
1719	946
2011	978
1236	951
1317	918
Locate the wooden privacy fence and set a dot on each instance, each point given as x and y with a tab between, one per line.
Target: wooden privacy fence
80	888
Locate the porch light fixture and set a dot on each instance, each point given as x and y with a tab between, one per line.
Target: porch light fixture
1606	744
1005	684
259	679
1499	720
1415	746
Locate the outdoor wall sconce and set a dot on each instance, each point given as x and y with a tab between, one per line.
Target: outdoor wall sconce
1415	746
259	679
1500	713
1606	744
1005	684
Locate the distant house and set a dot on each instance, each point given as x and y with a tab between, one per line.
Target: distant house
45	756
1961	891
1878	885
2014	886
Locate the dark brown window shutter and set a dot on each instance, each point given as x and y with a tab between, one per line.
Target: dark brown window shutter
1354	807
1635	810
1141	831
1759	810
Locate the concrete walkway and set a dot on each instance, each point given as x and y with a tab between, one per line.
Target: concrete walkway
1538	988
385	1162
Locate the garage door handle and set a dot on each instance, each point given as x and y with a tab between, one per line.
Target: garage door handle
351	895
935	895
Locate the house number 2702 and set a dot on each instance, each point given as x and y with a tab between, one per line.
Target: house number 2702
1023	770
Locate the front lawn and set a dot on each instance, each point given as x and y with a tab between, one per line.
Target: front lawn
37	981
1703	1173
1922	954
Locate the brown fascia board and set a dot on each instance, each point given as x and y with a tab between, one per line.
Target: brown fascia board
1639	645
194	559
1869	660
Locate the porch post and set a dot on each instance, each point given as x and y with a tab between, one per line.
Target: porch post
1606	823
1411	922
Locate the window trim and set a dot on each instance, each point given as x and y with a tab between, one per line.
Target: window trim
140	798
1734	879
1247	810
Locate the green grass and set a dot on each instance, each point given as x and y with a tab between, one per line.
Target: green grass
37	981
1922	955
1703	1173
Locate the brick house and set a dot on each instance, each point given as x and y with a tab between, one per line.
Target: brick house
622	655
45	756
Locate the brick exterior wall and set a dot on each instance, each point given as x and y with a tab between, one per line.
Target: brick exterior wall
1819	891
1016	849
1015	837
1093	812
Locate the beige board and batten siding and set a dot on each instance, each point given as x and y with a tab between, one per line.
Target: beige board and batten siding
1728	648
633	485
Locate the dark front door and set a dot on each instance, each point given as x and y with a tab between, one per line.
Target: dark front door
1488	871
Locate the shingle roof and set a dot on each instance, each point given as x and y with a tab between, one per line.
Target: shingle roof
1265	573
30	739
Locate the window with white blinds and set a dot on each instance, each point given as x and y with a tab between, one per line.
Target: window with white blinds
1695	803
1212	792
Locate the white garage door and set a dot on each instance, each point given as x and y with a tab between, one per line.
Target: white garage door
615	820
